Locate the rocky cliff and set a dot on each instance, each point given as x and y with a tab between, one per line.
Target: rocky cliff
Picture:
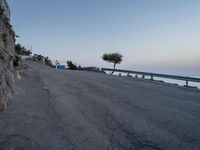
7	54
6	77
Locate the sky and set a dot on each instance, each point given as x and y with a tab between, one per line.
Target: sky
152	35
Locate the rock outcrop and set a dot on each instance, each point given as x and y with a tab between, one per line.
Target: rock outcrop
6	76
7	54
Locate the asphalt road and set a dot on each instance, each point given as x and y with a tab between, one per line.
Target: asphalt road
61	110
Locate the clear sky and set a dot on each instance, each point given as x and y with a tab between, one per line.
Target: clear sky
152	35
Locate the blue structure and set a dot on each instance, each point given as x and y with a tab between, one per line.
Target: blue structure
61	67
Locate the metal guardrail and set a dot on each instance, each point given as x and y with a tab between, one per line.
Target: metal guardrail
152	75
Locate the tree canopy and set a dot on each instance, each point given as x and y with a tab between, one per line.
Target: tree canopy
114	58
71	65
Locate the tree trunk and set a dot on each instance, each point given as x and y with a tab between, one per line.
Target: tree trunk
114	68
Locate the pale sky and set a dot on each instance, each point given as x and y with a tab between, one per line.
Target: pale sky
152	35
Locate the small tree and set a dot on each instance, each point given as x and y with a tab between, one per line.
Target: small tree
21	50
114	58
18	49
71	65
48	61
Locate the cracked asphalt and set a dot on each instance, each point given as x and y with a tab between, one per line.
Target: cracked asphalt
77	110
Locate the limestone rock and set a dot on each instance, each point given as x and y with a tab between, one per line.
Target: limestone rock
6	76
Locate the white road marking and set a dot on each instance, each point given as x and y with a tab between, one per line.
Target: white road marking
30	69
18	75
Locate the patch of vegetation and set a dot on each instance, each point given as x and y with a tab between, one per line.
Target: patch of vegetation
2	105
21	50
114	58
48	62
73	66
42	59
16	61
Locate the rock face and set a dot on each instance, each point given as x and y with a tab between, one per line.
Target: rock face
6	76
7	54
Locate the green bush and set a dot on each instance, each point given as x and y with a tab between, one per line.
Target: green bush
72	66
16	61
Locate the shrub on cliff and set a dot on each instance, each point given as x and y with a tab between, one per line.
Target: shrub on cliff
72	66
21	50
48	62
16	61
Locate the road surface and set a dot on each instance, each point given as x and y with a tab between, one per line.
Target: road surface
77	110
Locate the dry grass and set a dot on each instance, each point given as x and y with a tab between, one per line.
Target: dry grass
2	105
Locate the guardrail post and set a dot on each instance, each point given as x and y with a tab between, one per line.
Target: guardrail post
187	83
151	77
143	76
